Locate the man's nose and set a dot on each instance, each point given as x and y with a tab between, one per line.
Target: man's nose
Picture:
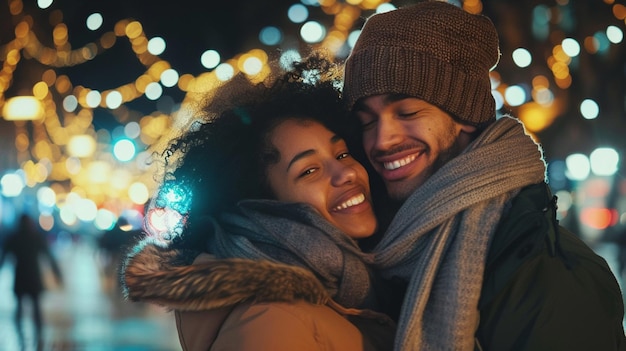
388	134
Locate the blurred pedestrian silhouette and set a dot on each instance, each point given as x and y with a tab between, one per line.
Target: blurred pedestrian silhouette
30	252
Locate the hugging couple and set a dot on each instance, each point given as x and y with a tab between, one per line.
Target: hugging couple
279	244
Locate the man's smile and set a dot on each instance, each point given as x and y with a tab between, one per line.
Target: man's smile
390	166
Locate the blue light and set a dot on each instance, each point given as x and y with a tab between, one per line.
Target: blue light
175	196
271	36
167	216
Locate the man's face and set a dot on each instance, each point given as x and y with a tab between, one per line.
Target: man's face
408	139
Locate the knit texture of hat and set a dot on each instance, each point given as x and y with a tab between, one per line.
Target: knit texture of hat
434	51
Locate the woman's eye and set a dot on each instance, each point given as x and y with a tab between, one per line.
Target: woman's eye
343	155
307	172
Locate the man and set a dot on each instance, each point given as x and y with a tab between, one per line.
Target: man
476	239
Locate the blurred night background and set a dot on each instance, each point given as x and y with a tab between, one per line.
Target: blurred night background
89	89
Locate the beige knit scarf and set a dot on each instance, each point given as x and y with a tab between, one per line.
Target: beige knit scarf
438	240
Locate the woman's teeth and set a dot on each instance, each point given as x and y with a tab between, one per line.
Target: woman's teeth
351	202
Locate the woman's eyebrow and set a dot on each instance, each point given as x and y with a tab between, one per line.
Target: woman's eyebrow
300	156
334	139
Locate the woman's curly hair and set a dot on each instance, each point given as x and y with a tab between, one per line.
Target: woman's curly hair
223	159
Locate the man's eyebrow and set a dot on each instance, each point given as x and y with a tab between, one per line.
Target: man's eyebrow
359	106
334	139
389	98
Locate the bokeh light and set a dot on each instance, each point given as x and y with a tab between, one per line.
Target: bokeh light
12	184
270	36
46	196
522	57
604	161
352	37
614	34
138	193
169	77
46	221
224	71
578	167
132	130
85	210
602	42
81	146
21	108
114	99
93	98
70	103
210	59
385	7
515	95
67	215
154	91
312	32
156	46
589	109
44	4
94	21
252	65
297	13
105	219
124	150
570	47
598	218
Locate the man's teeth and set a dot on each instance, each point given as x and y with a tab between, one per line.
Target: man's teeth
390	166
351	202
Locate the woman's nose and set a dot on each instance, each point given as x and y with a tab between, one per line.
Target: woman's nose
343	174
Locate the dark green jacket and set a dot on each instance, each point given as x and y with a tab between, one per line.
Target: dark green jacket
544	289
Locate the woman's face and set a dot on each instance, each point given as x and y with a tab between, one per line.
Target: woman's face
316	168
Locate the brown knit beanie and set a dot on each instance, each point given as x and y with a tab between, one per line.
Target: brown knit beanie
434	51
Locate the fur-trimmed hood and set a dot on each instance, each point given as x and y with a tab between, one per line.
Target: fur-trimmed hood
153	273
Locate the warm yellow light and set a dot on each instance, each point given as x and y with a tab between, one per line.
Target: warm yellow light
537	117
138	193
81	146
133	29
40	90
99	172
21	108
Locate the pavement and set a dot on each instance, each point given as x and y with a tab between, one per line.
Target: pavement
87	312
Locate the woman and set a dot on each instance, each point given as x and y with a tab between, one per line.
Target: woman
268	193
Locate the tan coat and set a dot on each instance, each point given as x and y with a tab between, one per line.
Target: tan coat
274	326
241	305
